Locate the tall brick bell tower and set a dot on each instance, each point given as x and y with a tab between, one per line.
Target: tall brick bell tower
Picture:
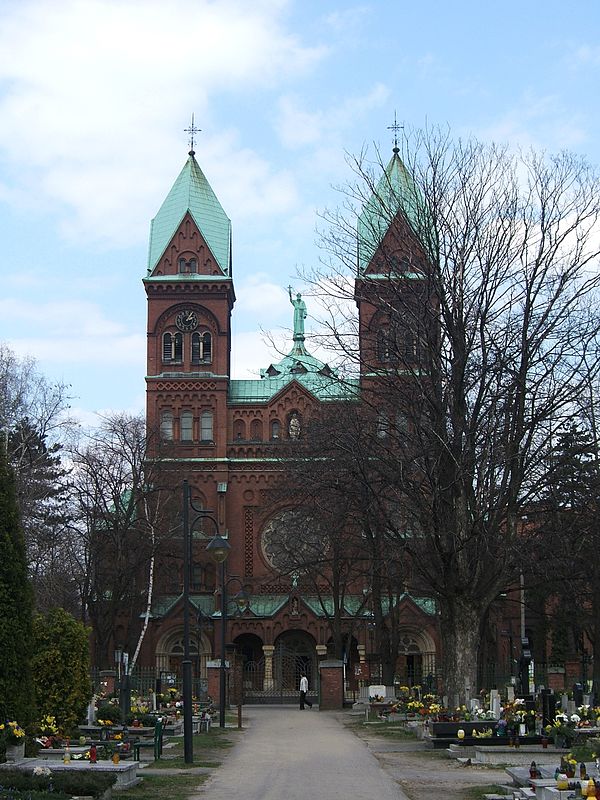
190	297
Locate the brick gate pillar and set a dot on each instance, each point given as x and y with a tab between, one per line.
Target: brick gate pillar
332	685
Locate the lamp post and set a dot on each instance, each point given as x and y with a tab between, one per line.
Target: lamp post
188	741
219	548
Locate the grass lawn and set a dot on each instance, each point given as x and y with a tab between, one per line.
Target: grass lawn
157	787
477	792
206	749
396	730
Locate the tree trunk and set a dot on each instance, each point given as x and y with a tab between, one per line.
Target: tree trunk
460	629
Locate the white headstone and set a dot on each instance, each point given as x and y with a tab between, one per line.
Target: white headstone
564	701
495	707
510	694
91	711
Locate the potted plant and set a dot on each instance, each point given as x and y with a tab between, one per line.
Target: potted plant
14	738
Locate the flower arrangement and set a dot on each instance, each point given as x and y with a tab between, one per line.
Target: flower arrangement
562	730
105	723
48	726
12	732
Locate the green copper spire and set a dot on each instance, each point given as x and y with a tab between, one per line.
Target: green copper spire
192	192
395	191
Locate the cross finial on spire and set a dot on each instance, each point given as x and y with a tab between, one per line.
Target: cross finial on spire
192	130
396	127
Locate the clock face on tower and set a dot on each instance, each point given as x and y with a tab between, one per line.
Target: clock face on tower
291	541
186	320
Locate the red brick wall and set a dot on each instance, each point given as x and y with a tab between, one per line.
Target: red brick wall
332	685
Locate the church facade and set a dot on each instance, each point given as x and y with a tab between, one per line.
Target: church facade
225	437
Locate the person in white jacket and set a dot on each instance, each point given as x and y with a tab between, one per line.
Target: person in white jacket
303	692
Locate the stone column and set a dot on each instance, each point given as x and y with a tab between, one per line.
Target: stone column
268	650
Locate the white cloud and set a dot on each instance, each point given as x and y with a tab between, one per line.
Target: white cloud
298	127
585	55
93	89
538	122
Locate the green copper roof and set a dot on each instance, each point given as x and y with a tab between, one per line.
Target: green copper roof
163	605
192	192
316	376
355	605
396	190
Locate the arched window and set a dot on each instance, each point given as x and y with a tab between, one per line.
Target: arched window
186	426
239	430
172	347
383	344
256	430
166	425
201	348
206	426
206	347
275	429
196	577
185	266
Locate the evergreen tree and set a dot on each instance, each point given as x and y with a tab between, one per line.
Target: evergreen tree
61	668
16	607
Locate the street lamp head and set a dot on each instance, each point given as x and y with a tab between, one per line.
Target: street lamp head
242	600
218	549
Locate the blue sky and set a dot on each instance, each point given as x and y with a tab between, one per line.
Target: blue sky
94	97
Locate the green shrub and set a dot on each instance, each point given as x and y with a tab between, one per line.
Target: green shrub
109	711
31	794
61	668
69	782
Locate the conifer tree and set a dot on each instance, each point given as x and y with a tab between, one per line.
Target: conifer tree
16	606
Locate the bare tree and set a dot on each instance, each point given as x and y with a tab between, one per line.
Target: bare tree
476	283
121	501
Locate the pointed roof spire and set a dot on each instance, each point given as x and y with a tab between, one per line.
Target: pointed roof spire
192	193
395	192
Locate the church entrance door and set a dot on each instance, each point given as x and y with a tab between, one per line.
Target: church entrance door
294	654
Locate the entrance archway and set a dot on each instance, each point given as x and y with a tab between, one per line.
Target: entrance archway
275	676
169	659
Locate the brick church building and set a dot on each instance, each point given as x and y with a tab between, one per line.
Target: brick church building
223	436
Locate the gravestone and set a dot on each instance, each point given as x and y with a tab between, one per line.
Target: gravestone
510	694
495	703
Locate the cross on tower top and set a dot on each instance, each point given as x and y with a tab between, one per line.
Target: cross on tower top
192	130
396	127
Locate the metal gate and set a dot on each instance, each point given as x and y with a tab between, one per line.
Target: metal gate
287	667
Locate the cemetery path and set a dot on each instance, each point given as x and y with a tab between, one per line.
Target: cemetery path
298	755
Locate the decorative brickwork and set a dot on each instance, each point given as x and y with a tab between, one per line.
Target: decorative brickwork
248	542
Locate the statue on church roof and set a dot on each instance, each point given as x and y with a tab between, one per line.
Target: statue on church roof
299	314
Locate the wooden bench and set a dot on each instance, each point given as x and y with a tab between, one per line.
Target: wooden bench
156	743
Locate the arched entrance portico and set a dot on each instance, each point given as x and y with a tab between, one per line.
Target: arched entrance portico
169	658
277	672
416	659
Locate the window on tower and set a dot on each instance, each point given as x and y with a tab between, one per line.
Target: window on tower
275	429
172	348
201	348
166	426
206	426
186	426
187	266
